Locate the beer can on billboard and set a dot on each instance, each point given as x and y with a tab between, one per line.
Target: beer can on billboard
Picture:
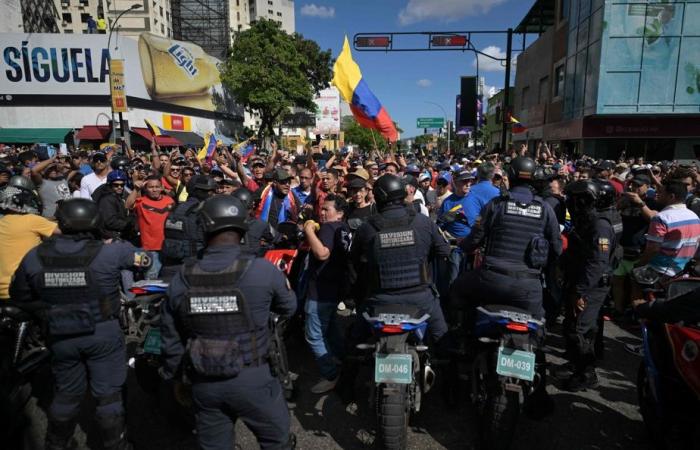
117	85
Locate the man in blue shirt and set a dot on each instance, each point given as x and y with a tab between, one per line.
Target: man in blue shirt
480	194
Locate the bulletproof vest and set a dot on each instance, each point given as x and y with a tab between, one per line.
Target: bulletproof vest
517	236
69	288
222	336
182	235
395	262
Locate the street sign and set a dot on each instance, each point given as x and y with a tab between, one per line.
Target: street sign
449	41
117	87
430	122
373	41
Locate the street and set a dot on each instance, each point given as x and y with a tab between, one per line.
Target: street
607	418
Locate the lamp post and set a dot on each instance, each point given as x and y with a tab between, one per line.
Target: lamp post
112	26
447	123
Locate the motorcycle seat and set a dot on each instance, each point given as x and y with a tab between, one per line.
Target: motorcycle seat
499	308
409	310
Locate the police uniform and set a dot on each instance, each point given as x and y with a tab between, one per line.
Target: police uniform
257	231
521	234
74	285
215	329
395	247
184	235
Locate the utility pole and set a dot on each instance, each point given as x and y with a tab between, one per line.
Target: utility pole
506	90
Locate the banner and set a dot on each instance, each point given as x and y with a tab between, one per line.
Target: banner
117	88
327	111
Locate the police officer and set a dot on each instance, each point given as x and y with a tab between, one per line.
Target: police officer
71	281
215	332
394	249
258	230
184	235
588	266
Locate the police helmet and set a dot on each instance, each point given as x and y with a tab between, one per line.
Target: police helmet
116	175
78	215
607	195
21	182
19	201
581	195
521	170
245	196
119	162
388	188
202	183
223	212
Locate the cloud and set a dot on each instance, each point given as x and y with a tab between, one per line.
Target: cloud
424	83
490	65
489	91
323	12
444	10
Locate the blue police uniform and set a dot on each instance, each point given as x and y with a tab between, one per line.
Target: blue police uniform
184	235
257	231
215	329
73	284
395	248
522	233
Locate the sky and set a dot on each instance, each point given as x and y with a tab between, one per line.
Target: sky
404	81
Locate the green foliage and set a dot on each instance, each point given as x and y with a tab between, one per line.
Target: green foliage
365	138
269	71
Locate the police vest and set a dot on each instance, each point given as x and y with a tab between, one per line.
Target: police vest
517	235
68	287
182	236
222	336
613	217
395	262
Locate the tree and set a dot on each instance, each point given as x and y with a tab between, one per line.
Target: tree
269	71
363	137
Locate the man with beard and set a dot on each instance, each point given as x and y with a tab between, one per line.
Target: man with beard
53	186
90	183
277	201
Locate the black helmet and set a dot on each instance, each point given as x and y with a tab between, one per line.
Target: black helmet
200	187
119	162
388	188
222	212
77	215
581	196
245	196
521	170
607	195
21	182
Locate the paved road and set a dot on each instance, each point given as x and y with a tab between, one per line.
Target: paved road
606	418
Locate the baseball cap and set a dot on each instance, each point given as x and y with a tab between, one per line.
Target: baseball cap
464	175
98	156
605	165
412	168
257	161
422	177
357	183
641	179
360	173
410	180
281	175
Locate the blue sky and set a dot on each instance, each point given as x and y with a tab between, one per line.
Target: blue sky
403	82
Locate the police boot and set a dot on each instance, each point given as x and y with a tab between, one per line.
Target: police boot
113	431
59	435
582	380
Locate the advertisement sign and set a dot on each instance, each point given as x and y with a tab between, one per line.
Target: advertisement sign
177	123
159	70
327	111
117	88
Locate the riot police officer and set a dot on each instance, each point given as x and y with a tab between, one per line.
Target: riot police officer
588	265
184	235
215	332
394	249
71	282
258	230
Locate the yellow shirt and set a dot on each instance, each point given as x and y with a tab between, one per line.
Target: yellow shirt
19	233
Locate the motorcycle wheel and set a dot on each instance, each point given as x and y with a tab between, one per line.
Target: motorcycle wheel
664	433
392	416
499	420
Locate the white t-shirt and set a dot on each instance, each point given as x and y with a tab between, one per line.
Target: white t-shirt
90	183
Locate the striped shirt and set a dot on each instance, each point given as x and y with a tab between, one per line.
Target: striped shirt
676	230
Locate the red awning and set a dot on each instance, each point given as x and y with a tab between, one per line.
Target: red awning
94	133
163	141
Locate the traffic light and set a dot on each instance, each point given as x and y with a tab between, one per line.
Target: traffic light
449	41
373	41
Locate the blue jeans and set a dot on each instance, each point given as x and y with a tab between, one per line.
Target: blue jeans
323	336
154	270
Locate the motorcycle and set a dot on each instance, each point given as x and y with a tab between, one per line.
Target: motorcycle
668	379
402	372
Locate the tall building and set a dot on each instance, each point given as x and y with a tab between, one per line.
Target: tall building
203	22
38	16
153	16
11	19
611	77
281	11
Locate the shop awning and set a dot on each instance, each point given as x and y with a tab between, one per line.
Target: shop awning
163	141
94	133
33	135
188	138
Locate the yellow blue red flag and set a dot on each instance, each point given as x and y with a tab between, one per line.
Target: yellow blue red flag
153	128
207	151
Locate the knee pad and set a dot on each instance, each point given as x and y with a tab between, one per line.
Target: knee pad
64	407
109	405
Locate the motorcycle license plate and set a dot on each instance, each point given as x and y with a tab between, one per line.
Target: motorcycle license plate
152	342
393	368
515	363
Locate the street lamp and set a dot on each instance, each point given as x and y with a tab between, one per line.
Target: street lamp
112	26
447	123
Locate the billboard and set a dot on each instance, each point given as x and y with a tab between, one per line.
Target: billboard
327	111
650	58
160	73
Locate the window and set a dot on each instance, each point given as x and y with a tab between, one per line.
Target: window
65	3
238	16
559	81
84	3
68	31
161	11
84	17
269	2
543	91
67	17
162	28
270	12
238	2
279	14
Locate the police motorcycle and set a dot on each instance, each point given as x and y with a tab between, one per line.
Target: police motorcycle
668	379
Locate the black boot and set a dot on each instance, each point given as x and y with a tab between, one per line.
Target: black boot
582	380
113	430
59	435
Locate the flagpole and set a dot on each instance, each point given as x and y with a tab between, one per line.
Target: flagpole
374	140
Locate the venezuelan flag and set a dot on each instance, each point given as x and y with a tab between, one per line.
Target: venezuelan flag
207	151
517	126
366	108
153	128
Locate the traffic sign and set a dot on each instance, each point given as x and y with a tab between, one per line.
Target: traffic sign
430	122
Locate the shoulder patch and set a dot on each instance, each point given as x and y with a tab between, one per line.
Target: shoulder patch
604	245
141	259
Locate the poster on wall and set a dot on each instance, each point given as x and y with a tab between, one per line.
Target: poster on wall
327	111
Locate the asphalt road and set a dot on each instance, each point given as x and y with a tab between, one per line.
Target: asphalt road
604	418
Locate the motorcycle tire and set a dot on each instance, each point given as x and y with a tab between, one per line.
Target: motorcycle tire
499	420
147	375
393	411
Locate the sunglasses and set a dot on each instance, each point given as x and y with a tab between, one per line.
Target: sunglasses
99	160
258	165
118	185
287	181
174	170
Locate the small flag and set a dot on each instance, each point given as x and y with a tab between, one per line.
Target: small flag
517	126
153	128
207	151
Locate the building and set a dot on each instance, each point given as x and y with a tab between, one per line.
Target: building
493	126
38	16
281	11
11	20
153	16
608	77
205	23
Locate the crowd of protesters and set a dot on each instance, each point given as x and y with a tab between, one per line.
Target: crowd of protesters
329	194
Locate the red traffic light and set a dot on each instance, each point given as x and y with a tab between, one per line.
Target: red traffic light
449	41
373	41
